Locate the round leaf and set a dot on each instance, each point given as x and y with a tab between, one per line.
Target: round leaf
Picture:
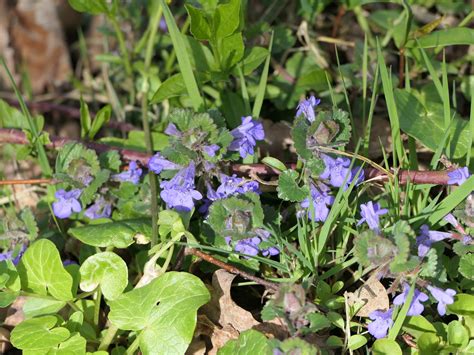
167	328
106	269
386	347
38	333
457	334
463	305
288	188
357	341
466	266
41	271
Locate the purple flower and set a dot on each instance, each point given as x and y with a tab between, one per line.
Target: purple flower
8	255
458	176
466	239
416	308
321	200
382	322
179	192
99	209
66	203
451	220
163	26
131	175
337	170
157	163
306	108
211	149
426	238
246	136
370	213
172	130
252	246
69	262
444	297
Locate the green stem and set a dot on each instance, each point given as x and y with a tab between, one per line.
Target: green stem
125	55
133	347
108	337
155	19
74	306
97	307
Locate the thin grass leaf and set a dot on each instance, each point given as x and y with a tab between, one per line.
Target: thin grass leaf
471	128
391	107
262	86
397	326
183	59
42	157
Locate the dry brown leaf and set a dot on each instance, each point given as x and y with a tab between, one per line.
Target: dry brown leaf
222	309
37	38
15	313
278	142
372	295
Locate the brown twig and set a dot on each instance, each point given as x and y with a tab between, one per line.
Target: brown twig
15	136
26	182
337	21
232	269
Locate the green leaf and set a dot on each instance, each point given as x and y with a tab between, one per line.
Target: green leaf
463	305
249	342
30	223
317	322
110	160
94	7
76	344
166	328
137	139
200	27
274	163
417	325
458	335
428	343
446	37
288	189
466	266
183	59
298	346
9	283
41	271
101	118
85	119
87	195
386	347
253	59
373	249
231	50
299	133
227	19
38	333
34	307
426	124
106	269
118	234
356	341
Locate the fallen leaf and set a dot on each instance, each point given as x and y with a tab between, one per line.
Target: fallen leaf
15	313
372	296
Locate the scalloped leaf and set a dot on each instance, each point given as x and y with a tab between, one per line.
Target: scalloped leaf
288	189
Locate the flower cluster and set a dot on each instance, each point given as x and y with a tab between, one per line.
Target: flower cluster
458	176
320	200
246	136
370	213
179	192
67	202
252	246
382	321
158	163
132	175
306	107
99	209
338	173
10	255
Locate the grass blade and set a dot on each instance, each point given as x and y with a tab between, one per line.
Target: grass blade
262	86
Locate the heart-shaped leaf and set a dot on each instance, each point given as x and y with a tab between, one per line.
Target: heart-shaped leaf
41	271
38	333
106	269
166	328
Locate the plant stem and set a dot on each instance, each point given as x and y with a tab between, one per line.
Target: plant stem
108	337
97	307
133	347
146	125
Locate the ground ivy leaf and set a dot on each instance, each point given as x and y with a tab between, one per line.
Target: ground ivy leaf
167	328
76	344
288	188
34	307
38	333
106	269
466	266
119	234
41	271
249	342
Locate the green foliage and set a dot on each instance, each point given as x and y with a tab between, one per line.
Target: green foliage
466	266
249	342
162	330
288	189
371	249
386	347
9	283
118	234
107	270
41	271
